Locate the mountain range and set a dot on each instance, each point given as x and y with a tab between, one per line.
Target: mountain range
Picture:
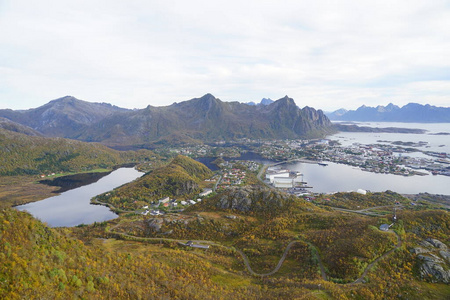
410	113
200	119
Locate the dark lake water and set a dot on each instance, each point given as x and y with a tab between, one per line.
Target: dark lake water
73	207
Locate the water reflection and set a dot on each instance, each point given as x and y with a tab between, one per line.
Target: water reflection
73	207
343	178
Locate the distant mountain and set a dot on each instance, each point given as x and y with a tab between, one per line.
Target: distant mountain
63	117
264	101
200	119
411	113
208	118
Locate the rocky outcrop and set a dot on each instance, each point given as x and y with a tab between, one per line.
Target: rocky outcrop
254	199
433	259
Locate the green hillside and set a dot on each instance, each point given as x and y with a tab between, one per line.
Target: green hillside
22	154
181	177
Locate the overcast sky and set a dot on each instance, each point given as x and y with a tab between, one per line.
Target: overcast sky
324	54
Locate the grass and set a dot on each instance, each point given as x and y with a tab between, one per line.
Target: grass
230	280
17	190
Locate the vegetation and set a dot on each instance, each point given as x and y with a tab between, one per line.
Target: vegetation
356	201
31	155
181	177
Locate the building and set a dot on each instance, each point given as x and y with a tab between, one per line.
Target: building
272	173
205	192
291	181
164	200
385	227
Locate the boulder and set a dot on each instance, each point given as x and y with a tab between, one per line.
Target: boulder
419	250
445	255
435	272
437	244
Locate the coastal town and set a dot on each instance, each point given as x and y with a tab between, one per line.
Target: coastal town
389	158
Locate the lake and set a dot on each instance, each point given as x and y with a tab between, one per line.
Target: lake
73	207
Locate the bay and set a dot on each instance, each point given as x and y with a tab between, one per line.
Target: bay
343	178
435	142
73	207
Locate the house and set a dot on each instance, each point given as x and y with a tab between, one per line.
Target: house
192	202
183	202
385	227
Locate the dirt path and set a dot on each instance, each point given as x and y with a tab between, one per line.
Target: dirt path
280	262
369	266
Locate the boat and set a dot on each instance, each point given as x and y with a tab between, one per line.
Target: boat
322	164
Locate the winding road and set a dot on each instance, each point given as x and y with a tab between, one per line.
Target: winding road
280	262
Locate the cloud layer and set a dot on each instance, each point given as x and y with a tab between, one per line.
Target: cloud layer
325	54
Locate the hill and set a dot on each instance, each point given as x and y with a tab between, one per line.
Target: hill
16	127
21	154
412	112
181	177
62	117
39	262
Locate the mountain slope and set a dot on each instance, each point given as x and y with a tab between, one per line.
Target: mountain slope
22	154
411	112
16	127
62	117
208	118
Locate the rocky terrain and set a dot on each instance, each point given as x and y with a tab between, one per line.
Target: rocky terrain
433	257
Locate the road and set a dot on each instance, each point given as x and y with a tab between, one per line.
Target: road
280	262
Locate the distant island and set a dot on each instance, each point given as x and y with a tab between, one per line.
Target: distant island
410	113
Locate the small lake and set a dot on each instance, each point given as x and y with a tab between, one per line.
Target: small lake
343	178
73	207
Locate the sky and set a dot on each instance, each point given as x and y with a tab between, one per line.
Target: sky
323	54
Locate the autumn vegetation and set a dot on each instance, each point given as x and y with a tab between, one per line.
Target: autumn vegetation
132	258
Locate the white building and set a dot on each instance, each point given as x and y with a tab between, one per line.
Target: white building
291	181
205	192
271	174
164	200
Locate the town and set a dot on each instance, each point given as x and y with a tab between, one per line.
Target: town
393	158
